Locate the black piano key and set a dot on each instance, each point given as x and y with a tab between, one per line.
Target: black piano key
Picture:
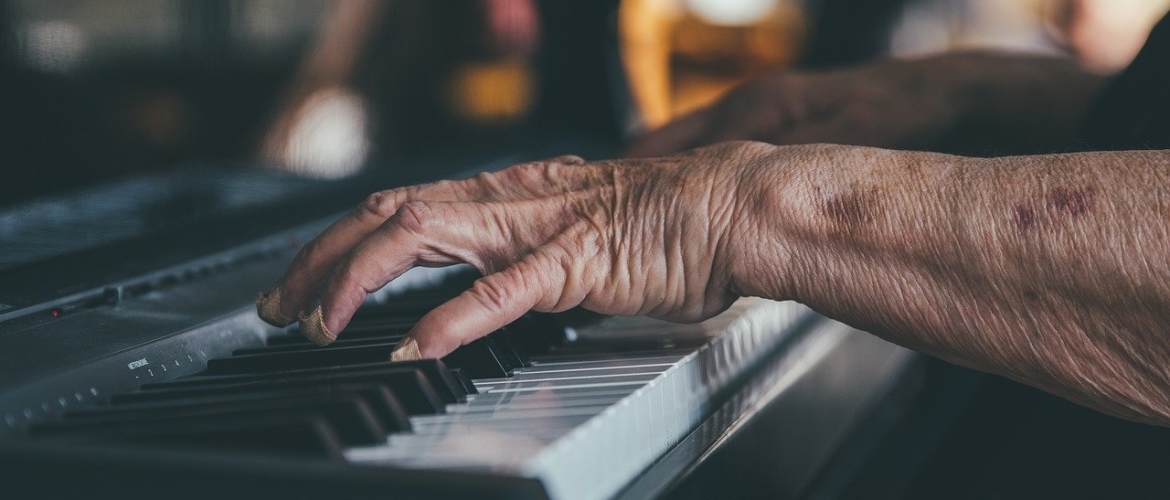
512	353
380	399
479	359
308	346
435	373
483	358
401	307
529	335
350	416
360	331
409	384
290	434
294	337
383	403
464	381
438	376
299	360
537	333
372	328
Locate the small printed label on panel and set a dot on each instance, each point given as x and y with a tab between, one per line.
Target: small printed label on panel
137	364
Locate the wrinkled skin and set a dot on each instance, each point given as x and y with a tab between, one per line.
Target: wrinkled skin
653	237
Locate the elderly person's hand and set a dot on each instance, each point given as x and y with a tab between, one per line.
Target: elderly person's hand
1051	270
955	102
660	237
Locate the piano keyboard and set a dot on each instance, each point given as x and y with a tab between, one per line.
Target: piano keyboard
532	402
617	411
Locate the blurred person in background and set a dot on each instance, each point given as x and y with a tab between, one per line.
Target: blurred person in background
1104	35
1030	99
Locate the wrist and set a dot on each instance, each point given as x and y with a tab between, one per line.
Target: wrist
814	215
790	199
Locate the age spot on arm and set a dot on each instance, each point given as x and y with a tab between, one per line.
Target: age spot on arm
1060	202
1024	216
1074	202
850	211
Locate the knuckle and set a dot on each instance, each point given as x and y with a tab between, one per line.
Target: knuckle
493	294
522	179
561	282
415	216
494	184
380	204
447	185
485	178
526	173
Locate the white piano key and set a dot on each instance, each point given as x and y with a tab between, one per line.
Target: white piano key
610	360
615	413
521	381
561	403
637	382
545	369
505	415
536	396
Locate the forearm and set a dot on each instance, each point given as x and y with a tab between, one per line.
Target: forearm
1051	270
1015	103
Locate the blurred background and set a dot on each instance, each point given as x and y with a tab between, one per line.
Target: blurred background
95	90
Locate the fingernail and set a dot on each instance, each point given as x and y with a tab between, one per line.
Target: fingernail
268	308
313	327
407	350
